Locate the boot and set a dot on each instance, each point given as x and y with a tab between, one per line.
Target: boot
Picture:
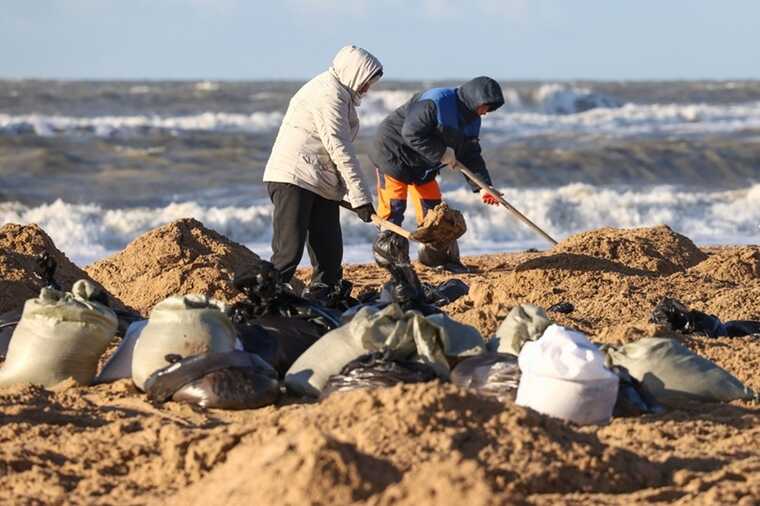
391	252
445	257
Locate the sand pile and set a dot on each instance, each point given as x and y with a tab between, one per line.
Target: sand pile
735	265
435	435
658	250
307	467
20	276
179	258
613	277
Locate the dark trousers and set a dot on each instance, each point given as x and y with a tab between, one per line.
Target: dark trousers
304	218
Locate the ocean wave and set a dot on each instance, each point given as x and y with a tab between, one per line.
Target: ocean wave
512	122
105	126
630	120
88	232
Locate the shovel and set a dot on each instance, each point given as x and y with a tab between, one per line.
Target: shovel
384	224
478	181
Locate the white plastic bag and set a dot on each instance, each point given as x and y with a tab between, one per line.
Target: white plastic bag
563	375
181	325
60	335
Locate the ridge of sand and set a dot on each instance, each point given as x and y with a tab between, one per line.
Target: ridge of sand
20	245
181	257
736	265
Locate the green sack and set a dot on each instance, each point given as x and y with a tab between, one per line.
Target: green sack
60	335
526	322
407	334
672	373
181	325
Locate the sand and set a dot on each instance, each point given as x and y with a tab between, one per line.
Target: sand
20	277
415	444
182	257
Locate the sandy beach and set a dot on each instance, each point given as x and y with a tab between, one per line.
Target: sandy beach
430	443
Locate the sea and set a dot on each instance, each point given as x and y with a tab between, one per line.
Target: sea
98	163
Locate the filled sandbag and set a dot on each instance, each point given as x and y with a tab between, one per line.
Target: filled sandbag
181	325
8	322
375	370
61	335
407	335
671	373
119	365
564	375
489	375
525	322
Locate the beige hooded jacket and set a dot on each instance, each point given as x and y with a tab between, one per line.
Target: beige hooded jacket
314	147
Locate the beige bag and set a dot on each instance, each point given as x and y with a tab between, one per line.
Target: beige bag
525	322
672	373
408	334
60	335
181	325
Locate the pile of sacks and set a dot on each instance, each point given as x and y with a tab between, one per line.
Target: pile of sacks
198	350
563	374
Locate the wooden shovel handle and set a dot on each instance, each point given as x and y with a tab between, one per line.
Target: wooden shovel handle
478	181
389	225
383	224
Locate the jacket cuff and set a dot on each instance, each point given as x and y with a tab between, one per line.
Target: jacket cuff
359	200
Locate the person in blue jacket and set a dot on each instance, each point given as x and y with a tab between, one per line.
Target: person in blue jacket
436	128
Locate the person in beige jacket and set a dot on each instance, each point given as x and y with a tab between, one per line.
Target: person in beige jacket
313	166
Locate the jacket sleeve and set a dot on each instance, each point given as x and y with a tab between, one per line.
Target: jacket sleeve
331	121
470	155
420	131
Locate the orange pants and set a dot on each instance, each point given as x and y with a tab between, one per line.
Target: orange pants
392	193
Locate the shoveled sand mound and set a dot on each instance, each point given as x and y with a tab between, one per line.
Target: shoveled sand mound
20	245
736	265
658	250
305	467
179	258
368	440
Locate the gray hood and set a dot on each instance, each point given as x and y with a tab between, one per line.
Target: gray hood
479	91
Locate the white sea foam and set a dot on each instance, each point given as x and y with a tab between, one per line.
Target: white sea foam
628	120
514	121
108	125
89	232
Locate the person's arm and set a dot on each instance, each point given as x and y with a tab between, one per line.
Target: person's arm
470	156
420	131
331	120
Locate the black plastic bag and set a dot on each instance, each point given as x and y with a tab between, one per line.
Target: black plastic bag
676	316
445	292
231	380
279	340
632	399
375	370
490	375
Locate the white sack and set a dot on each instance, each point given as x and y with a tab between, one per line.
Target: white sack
563	375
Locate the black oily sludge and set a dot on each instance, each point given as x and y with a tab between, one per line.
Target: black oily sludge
229	380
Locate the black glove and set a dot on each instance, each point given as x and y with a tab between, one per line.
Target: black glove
365	212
